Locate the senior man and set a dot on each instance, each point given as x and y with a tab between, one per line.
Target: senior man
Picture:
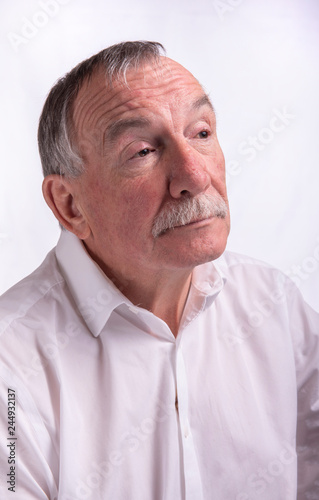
140	361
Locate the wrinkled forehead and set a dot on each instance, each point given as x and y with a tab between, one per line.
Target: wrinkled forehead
148	75
163	79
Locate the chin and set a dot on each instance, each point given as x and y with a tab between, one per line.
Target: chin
208	256
188	249
191	256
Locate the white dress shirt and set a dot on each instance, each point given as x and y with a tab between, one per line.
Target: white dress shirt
109	405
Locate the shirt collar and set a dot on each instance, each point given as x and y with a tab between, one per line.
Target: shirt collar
208	280
207	283
94	293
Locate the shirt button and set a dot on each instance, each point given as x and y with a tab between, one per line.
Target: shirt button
186	431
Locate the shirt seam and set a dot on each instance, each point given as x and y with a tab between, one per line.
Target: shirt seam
29	307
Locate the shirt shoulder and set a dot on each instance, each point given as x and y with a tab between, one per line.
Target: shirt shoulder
253	276
231	259
17	302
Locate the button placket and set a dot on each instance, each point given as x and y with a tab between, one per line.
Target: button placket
193	486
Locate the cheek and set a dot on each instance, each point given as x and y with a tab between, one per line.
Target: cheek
140	202
124	208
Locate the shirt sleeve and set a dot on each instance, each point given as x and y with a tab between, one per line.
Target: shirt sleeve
305	330
25	448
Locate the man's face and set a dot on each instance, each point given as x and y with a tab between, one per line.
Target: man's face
147	147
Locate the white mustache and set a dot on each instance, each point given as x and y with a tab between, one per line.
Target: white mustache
189	210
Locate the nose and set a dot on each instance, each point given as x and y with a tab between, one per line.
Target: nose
188	175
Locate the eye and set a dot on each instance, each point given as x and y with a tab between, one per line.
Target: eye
144	152
203	134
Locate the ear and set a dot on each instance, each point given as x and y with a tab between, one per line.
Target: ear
58	192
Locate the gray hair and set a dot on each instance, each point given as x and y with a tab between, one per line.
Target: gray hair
57	147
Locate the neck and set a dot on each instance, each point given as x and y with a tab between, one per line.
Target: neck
166	299
164	294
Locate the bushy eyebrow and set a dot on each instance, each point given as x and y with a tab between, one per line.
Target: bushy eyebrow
204	100
120	126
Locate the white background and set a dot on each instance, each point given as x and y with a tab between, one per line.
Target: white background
256	59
